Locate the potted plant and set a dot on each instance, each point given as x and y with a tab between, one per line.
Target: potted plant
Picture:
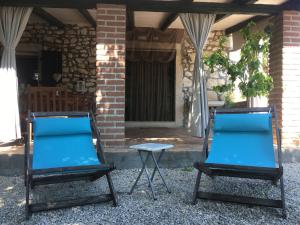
249	72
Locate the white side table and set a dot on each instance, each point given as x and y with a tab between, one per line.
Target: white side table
148	149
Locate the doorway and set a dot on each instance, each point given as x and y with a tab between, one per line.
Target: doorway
150	88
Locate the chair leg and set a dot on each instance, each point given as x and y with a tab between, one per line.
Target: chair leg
25	175
112	191
284	214
27	209
196	188
274	182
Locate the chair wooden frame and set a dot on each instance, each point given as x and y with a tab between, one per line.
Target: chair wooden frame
33	177
263	173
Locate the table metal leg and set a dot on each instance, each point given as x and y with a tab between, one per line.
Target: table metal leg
141	172
158	160
148	175
160	173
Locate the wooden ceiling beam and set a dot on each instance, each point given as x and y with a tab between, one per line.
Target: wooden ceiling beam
241	25
154	6
289	5
130	19
53	21
170	19
85	13
243	2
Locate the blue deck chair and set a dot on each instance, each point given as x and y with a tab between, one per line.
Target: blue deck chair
63	151
242	146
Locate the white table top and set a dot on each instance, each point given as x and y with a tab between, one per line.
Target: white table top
151	146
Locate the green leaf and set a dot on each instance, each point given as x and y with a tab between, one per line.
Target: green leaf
246	72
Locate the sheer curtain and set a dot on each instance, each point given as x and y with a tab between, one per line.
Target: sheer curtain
13	21
198	27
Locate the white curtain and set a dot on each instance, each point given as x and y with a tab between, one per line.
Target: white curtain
12	25
198	27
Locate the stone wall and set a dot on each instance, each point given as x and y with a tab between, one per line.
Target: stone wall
213	79
78	47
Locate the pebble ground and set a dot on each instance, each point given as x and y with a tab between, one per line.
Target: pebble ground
139	208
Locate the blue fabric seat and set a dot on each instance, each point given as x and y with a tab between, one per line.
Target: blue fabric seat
243	139
63	142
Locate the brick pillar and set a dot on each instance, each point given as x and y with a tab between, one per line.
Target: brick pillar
285	70
110	93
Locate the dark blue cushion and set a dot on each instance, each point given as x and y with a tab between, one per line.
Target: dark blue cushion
61	126
252	147
243	122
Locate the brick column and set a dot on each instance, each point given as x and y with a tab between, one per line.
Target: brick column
110	93
285	70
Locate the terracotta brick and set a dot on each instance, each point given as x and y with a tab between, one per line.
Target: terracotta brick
120	124
290	13
106	88
291	34
285	70
105	17
115	12
116	23
295	40
106	111
115	35
101	124
296	18
113	93
100	11
120	88
101	29
110	68
121	18
115	143
294	28
120	29
115	82
106	76
120	100
114	130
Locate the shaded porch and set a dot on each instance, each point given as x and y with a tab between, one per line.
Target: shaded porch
107	27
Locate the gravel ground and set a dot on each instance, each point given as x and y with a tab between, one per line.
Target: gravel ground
139	208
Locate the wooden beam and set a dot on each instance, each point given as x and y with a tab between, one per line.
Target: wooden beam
170	19
241	25
289	5
85	13
53	21
130	19
243	2
153	6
